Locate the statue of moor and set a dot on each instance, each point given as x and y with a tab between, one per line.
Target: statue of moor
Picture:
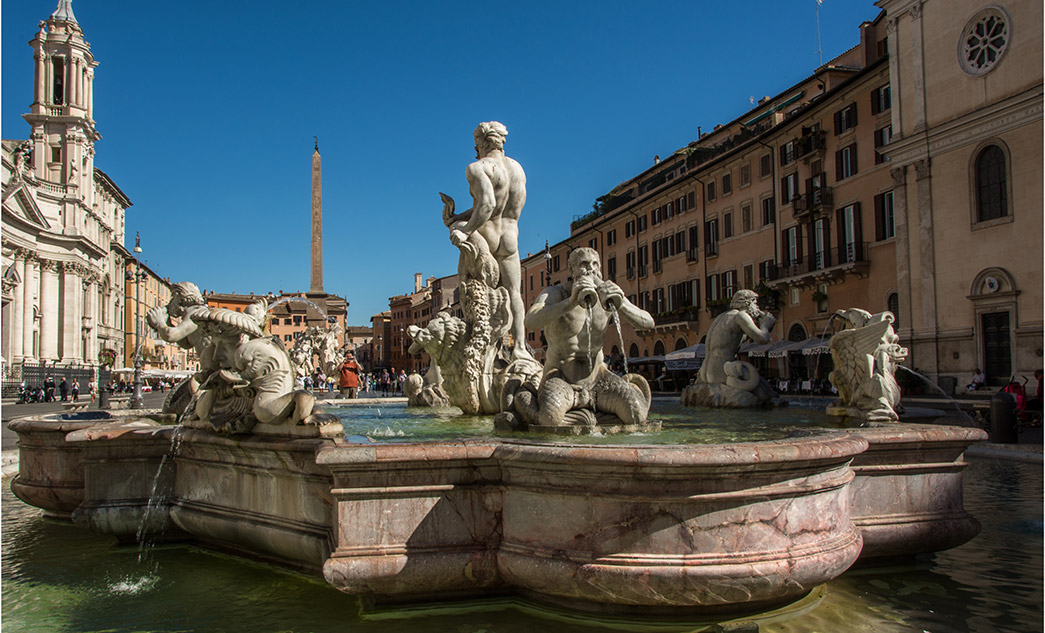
577	386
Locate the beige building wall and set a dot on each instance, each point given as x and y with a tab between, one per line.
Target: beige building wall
975	285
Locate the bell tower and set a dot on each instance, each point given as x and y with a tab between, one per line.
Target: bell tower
61	116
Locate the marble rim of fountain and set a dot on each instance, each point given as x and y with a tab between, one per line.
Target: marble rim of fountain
50	469
403	522
654	528
907	495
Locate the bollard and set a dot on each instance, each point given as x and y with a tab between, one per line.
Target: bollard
1003	418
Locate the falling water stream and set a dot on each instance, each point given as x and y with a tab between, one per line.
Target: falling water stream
616	321
972	421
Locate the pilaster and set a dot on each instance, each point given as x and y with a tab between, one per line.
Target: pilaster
49	310
918	66
72	313
30	289
17	308
902	228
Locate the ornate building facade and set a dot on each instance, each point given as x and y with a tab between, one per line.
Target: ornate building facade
63	218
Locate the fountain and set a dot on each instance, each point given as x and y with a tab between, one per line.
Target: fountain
668	529
866	355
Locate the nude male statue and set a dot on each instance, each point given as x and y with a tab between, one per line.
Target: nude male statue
728	330
498	188
575	374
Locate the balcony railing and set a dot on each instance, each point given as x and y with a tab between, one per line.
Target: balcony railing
855	252
812	142
821	198
680	315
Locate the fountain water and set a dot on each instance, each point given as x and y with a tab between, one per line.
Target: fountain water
957	406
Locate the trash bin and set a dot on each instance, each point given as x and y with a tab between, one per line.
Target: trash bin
1003	418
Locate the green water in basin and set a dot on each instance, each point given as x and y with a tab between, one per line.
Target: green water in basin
680	425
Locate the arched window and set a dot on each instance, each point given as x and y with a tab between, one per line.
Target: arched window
614	351
680	344
658	348
633	351
893	303
991	187
796	333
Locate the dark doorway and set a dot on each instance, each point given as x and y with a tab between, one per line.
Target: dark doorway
997	358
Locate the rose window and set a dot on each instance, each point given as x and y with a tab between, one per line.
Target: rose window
984	41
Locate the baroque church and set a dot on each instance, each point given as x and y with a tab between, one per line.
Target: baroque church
63	218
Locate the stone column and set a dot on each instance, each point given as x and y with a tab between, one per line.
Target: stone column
30	286
41	77
71	313
317	223
90	309
48	310
17	306
90	93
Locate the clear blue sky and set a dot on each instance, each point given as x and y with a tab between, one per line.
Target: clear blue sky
207	112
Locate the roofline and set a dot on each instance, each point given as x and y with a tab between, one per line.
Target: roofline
121	197
703	167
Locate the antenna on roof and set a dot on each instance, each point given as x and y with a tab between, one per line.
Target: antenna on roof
819	52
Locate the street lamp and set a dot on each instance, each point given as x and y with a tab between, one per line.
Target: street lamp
139	362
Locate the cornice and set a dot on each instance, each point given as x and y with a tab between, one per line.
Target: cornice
970	128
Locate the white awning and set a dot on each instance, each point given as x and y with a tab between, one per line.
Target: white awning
693	351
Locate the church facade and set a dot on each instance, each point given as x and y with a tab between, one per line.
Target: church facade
63	256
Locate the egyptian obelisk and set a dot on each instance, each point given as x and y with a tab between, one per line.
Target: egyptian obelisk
316	288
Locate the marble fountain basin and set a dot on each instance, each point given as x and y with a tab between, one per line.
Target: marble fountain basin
673	529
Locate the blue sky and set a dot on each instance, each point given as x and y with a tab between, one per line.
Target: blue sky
207	112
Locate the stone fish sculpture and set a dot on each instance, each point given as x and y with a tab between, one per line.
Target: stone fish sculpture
246	379
723	381
865	356
482	358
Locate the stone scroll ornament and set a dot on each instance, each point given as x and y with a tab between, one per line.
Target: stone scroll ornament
246	379
723	381
865	355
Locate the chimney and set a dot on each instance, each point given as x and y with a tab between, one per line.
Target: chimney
417	282
430	281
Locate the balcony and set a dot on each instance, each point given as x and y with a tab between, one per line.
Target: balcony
811	143
818	200
830	265
679	315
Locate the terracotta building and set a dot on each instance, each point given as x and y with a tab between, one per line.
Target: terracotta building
809	199
291	313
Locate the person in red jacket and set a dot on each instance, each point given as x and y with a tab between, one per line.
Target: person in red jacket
350	371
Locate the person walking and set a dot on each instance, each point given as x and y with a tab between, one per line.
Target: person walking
401	382
63	388
92	388
76	390
49	389
349	381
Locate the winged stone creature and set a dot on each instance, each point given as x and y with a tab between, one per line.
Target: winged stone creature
865	356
